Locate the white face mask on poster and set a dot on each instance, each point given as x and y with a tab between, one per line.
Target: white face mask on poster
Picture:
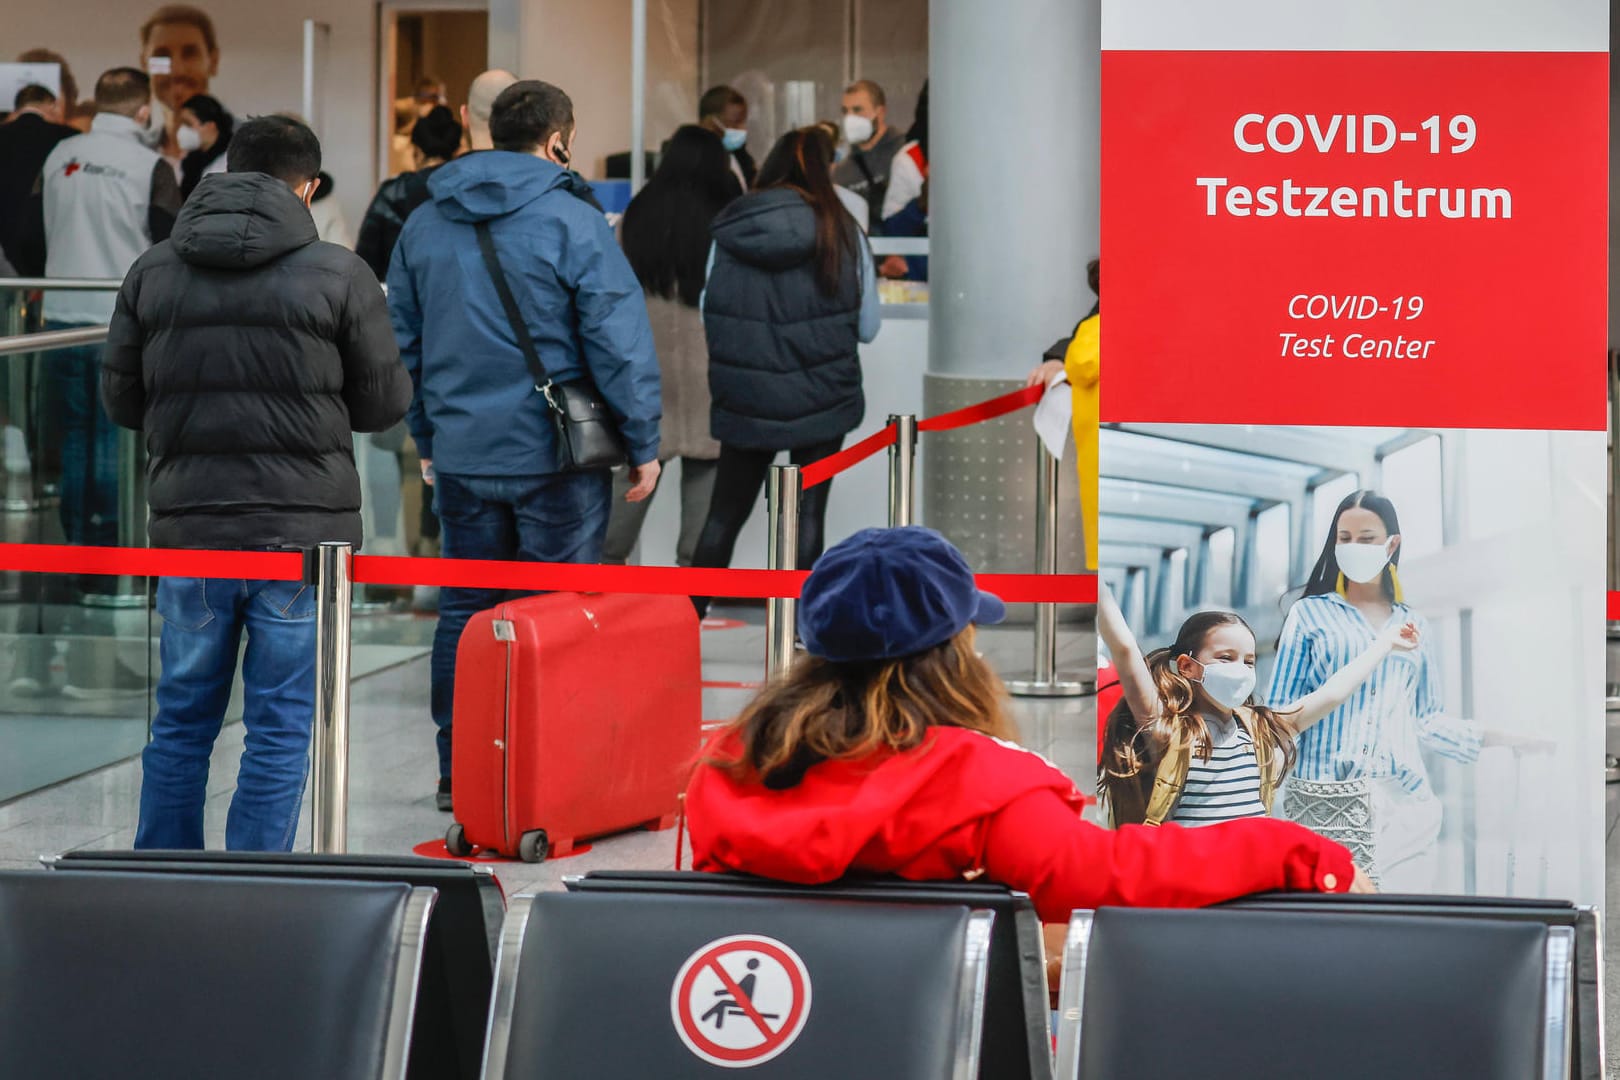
1362	563
1228	682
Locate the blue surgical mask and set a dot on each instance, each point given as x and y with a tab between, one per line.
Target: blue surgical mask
734	138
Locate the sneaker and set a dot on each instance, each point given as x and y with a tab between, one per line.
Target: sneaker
102	682
425	599
37	668
25	686
443	797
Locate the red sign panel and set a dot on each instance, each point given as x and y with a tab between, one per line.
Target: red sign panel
1405	239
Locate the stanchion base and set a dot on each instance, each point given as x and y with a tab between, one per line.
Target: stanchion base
1611	769
1059	687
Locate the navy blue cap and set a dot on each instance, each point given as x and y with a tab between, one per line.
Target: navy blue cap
887	593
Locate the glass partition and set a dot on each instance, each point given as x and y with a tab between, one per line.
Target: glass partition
76	662
78	653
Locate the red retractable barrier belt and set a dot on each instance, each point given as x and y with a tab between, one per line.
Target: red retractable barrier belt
480	574
819	472
152	562
984	410
1614	607
574	577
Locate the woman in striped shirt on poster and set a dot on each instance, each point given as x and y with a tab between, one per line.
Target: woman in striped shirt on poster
1360	776
1187	742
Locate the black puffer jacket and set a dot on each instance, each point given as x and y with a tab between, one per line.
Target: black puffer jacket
385	217
784	361
248	351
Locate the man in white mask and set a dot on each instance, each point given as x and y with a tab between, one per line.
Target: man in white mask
872	146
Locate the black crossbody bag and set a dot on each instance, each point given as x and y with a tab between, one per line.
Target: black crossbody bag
586	435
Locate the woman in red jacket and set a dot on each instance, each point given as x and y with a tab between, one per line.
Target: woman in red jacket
889	750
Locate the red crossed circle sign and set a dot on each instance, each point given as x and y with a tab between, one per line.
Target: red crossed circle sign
741	1000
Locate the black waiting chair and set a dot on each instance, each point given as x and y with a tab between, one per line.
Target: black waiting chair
1331	995
458	962
1016	1043
163	976
613	985
1587	1061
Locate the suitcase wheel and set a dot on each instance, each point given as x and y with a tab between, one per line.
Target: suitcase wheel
455	841
533	847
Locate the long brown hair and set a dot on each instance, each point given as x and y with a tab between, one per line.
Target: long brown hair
821	710
802	160
1132	749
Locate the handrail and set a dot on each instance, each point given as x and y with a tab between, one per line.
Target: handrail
26	284
52	339
65	284
899	245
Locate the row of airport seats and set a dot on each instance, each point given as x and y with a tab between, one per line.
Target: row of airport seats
210	964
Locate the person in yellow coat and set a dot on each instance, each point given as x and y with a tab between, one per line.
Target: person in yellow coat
1080	366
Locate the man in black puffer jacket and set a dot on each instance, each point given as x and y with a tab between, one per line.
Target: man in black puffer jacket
247	351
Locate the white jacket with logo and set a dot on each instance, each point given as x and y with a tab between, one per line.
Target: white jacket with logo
108	197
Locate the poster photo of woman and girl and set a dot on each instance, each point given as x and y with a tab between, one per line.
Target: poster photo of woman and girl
1391	635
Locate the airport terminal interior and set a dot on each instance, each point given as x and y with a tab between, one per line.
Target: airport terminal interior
1189	516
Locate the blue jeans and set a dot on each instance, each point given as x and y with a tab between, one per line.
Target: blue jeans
561	517
203	623
89	506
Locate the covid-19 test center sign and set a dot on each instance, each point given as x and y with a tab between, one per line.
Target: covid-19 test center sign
1363	248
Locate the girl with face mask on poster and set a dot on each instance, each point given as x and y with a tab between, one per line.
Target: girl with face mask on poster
1187	742
1360	776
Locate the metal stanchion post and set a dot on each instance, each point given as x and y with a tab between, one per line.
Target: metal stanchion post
903	472
782	553
333	595
1044	680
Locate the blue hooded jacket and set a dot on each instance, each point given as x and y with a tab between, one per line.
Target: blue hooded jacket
475	411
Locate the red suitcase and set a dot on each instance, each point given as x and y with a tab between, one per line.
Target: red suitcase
575	715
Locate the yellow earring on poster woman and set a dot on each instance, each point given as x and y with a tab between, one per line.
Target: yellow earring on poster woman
1394	581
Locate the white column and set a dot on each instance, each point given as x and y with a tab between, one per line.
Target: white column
506	35
1013	177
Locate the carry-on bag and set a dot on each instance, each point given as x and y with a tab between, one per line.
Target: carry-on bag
574	716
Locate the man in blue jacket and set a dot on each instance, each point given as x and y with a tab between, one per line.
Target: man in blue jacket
486	441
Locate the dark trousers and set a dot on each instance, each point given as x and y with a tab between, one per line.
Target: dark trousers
89	445
738	481
560	518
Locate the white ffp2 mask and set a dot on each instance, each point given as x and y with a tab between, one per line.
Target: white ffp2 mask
189	139
857	129
1362	563
1228	682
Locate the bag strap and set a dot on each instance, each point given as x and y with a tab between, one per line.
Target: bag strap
1168	780
486	245
1264	756
859	157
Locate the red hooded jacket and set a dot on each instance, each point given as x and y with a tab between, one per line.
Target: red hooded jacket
964	804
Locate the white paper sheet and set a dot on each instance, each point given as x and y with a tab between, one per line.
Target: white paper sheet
1054	416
